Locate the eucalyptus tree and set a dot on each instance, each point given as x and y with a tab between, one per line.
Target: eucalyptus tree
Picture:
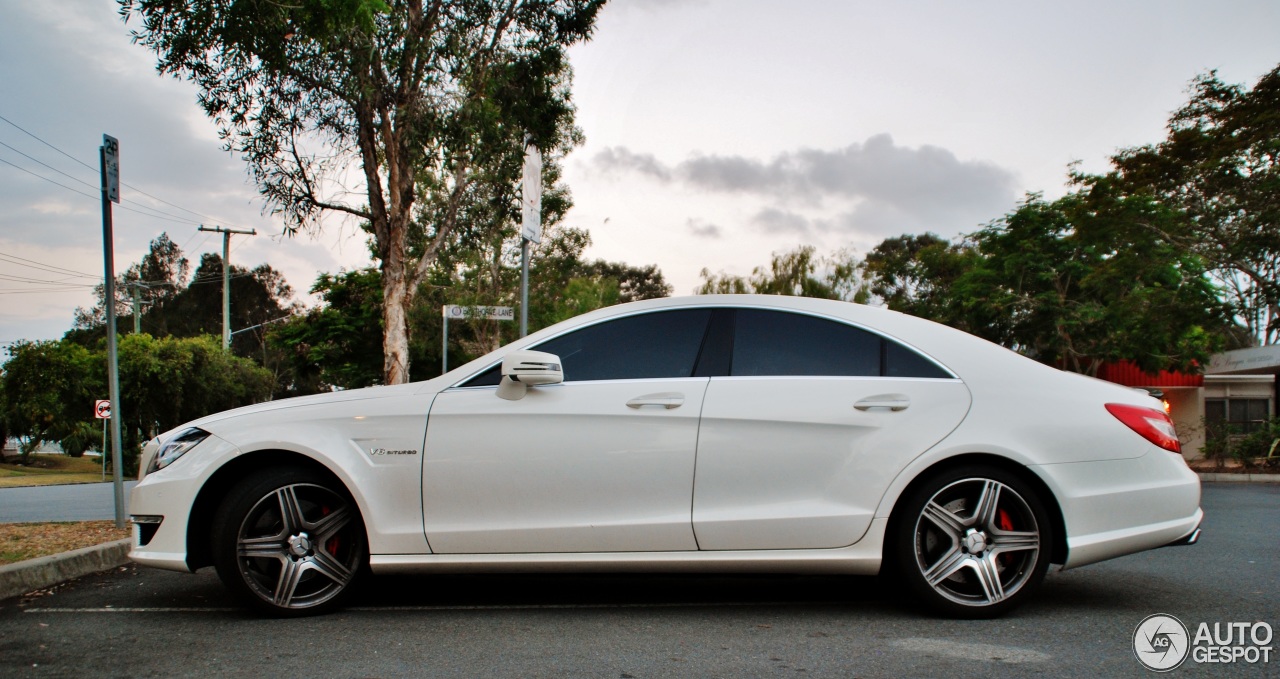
412	100
799	273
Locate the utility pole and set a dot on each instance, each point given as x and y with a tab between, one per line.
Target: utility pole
137	309
136	286
226	277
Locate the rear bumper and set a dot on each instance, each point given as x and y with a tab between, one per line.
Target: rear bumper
1111	508
1187	540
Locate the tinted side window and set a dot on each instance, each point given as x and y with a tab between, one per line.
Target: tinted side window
654	345
781	343
900	361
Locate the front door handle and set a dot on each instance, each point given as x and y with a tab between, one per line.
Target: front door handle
666	399
894	402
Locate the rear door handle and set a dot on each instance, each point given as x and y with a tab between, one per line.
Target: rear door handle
666	399
894	402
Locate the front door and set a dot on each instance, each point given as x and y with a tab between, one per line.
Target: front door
601	463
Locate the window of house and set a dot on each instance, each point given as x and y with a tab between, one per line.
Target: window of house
1242	415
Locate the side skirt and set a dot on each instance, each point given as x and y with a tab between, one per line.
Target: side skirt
862	558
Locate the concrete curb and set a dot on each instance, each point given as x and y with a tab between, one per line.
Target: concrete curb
46	571
1218	477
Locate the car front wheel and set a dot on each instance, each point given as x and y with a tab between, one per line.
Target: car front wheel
972	542
289	541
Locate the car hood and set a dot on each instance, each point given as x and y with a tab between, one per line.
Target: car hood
429	386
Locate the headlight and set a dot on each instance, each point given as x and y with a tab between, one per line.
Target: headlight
176	447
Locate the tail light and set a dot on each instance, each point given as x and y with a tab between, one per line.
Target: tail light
1153	425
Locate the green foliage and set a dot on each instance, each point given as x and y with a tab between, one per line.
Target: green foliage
428	103
798	273
170	380
917	274
1077	282
173	304
582	295
338	343
1260	447
1219	169
49	387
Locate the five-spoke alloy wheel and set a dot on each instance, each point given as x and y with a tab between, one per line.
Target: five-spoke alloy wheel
290	541
972	542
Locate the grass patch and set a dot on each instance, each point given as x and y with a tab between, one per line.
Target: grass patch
49	470
22	541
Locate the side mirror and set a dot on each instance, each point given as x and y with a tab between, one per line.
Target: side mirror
524	369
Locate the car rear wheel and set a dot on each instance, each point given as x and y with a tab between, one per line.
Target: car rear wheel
972	542
290	541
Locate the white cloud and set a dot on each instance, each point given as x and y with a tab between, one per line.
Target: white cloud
704	229
874	187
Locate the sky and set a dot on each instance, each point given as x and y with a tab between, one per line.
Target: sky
717	131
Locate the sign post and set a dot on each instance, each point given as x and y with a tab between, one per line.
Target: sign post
462	313
109	161
102	411
531	222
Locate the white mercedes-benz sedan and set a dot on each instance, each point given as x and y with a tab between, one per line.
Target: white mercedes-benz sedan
733	433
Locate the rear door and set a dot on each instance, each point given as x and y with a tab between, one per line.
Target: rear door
815	418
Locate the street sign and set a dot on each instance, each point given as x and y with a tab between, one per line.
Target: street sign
531	200
111	150
102	410
492	313
466	313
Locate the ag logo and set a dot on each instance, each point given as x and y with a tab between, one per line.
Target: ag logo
1161	642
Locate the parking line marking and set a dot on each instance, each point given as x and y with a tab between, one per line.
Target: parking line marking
495	607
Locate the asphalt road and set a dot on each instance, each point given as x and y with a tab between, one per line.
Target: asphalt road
139	622
73	502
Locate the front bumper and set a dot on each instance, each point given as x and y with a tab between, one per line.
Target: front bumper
162	503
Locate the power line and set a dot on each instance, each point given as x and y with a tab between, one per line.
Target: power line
131	186
55	148
160	215
23	279
18	291
47	267
49	166
2	160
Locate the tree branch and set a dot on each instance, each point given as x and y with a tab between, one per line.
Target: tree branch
309	190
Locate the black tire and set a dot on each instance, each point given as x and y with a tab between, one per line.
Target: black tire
971	542
289	541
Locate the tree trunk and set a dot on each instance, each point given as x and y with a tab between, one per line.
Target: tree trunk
395	336
395	304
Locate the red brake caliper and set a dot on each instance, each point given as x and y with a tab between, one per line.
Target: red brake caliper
332	545
1005	522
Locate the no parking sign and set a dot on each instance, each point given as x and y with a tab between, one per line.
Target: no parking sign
102	410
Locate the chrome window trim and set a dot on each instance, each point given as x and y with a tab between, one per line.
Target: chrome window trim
712	307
